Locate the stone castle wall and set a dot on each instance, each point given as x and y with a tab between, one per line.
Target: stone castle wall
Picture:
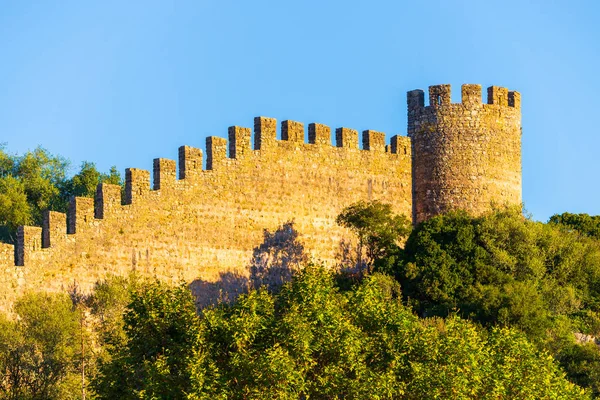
466	155
196	224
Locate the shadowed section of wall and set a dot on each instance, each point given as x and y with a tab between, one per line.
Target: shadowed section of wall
207	222
466	155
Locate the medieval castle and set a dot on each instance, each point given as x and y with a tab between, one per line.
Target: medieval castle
197	223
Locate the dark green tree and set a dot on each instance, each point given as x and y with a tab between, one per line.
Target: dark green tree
85	182
14	208
378	231
42	175
583	223
108	303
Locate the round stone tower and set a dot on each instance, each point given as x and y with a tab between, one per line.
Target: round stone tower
467	155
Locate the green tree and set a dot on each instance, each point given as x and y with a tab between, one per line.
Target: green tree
378	232
29	185
581	362
37	181
303	342
108	303
79	302
453	359
42	174
502	269
39	352
14	208
583	223
113	177
499	268
161	329
85	182
312	341
6	161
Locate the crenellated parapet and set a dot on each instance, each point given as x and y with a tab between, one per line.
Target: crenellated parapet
319	134
190	162
81	214
440	96
466	155
165	173
29	241
137	184
54	228
292	131
265	133
107	200
346	138
374	141
216	152
239	142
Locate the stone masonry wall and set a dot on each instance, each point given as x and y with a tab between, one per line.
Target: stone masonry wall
467	155
208	221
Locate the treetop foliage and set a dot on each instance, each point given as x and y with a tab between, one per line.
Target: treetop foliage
39	351
583	223
161	329
378	231
311	340
500	268
37	181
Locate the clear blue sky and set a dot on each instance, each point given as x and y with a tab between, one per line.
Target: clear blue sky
122	82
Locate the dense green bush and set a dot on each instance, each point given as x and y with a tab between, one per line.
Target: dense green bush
161	329
312	341
40	351
502	269
583	223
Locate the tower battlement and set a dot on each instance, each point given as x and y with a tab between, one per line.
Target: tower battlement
441	96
